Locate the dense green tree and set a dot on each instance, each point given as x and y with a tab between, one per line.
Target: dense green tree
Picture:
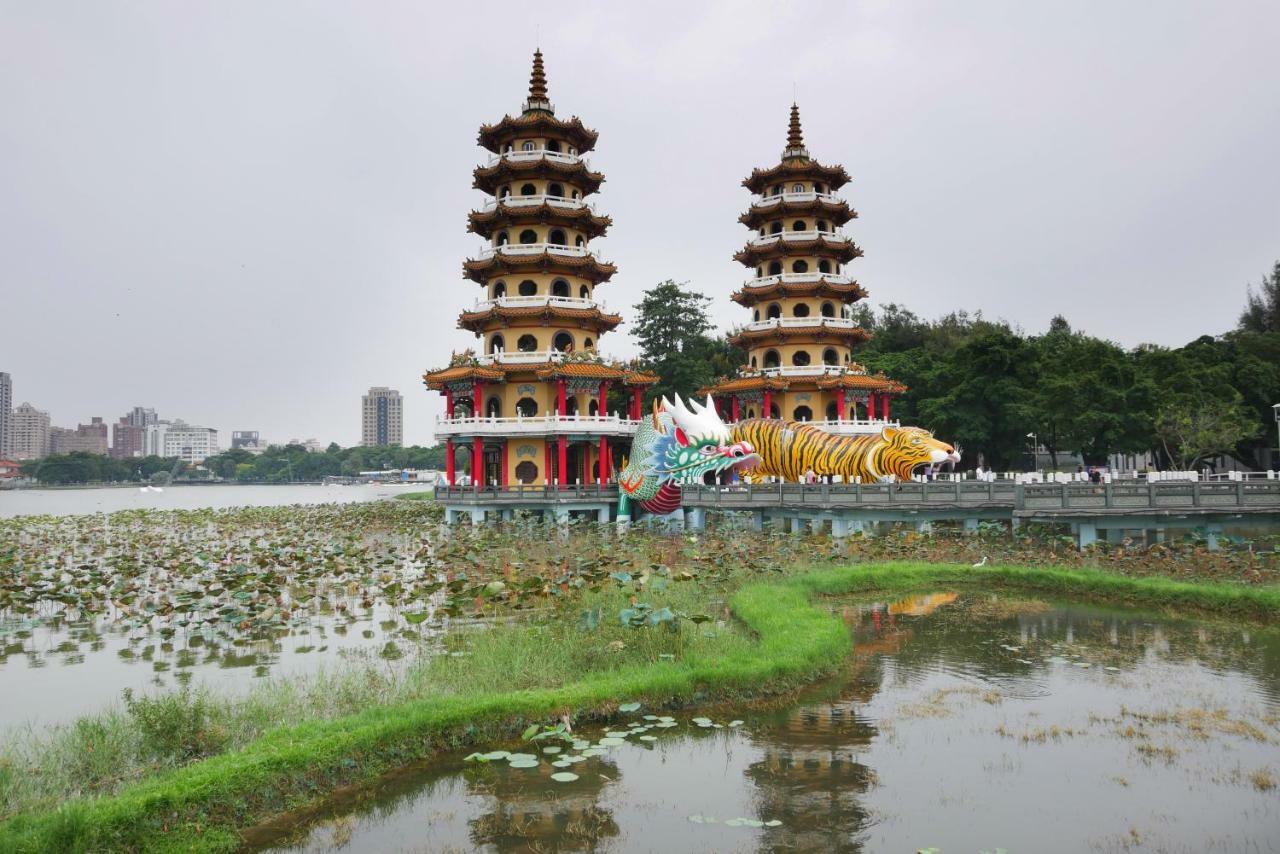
672	328
1262	310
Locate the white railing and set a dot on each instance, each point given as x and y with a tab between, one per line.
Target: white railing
811	196
800	323
614	425
537	249
534	302
537	201
798	278
536	154
809	371
788	236
854	426
521	357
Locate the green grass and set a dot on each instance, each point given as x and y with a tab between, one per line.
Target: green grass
421	495
522	673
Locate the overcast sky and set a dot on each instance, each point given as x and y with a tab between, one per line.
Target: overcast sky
244	214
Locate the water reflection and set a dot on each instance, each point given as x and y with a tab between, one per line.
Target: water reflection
967	722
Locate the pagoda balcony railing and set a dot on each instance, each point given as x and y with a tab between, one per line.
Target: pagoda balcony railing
811	196
538	249
798	278
809	371
540	199
800	323
535	425
536	154
854	426
799	236
534	302
522	357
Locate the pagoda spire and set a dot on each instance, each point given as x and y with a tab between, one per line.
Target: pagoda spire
538	99
795	138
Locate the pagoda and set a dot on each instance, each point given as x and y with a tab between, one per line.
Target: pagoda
530	403
802	334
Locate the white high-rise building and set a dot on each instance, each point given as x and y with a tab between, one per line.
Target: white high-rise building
29	439
382	417
188	442
6	412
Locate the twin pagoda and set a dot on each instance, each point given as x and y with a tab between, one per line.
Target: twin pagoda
536	405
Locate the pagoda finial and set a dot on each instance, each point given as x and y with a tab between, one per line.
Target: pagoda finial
795	139
538	86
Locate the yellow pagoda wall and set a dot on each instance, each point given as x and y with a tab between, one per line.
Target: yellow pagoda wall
543	282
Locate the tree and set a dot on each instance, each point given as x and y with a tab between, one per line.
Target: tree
1262	310
671	326
1202	430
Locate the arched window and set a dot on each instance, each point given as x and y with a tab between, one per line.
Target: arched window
563	342
759	272
772	359
527	407
800	266
557	237
774	310
774	411
527	344
828	310
528	288
462	408
833	411
493	408
753	361
553	145
775	228
799	225
824	266
528	190
777	189
761	232
819	188
559	288
797	188
578	241
505	191
584	292
571	405
800	358
593	408
822	225
756	315
751	412
576	195
497	344
527	145
499	290
587	343
830	357
802	413
528	236
775	268
801	309
509	148
502	239
555	190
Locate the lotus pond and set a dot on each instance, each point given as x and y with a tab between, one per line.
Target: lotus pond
963	723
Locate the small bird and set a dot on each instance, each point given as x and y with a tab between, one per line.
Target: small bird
982	562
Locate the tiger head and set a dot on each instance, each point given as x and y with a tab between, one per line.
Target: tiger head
909	448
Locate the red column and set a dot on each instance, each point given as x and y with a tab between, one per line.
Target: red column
768	402
563	454
477	462
884	403
477	405
840	402
602	407
560	398
450	467
604	460
872	400
737	408
448	402
546	461
504	479
636	391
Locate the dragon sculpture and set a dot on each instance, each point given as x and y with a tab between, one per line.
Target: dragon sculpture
681	444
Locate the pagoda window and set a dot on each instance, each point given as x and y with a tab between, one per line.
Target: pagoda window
578	241
576	195
822	225
828	310
777	190
774	310
559	288
528	236
502	239
800	267
527	344
527	407
553	145
584	292
557	236
753	358
505	191
833	411
462	408
802	413
772	359
800	310
528	288
527	145
759	272
830	357
571	405
776	228
500	290
573	151
751	412
824	266
797	188
587	343
493	408
800	358
528	190
556	190
497	344
799	225
563	342
774	411
508	148
775	268
756	315
593	408
819	188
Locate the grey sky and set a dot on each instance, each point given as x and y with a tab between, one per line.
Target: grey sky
246	213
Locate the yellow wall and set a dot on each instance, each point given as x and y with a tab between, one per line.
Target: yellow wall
544	335
543	281
786	351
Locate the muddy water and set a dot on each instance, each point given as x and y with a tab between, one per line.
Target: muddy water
964	723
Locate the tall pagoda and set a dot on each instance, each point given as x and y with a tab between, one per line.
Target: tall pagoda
530	404
802	334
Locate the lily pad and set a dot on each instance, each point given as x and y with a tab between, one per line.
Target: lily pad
551	749
648	738
612	742
525	763
564	776
629	707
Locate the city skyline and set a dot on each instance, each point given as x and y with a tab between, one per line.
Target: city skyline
266	238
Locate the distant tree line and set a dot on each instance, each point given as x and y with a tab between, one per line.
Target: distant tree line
84	467
985	384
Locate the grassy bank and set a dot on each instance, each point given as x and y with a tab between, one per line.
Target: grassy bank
421	495
500	684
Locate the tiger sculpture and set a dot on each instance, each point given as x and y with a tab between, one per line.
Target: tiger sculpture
791	449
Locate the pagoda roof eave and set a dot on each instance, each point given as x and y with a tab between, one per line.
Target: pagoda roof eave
834	176
487	178
437	380
839	212
804	334
842	250
577	368
588	318
586	266
573	131
590	223
846	292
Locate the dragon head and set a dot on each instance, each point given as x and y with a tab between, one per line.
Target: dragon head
694	442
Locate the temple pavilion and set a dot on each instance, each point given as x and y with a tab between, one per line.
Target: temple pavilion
530	403
802	334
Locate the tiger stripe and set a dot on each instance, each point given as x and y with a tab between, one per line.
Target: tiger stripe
789	449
